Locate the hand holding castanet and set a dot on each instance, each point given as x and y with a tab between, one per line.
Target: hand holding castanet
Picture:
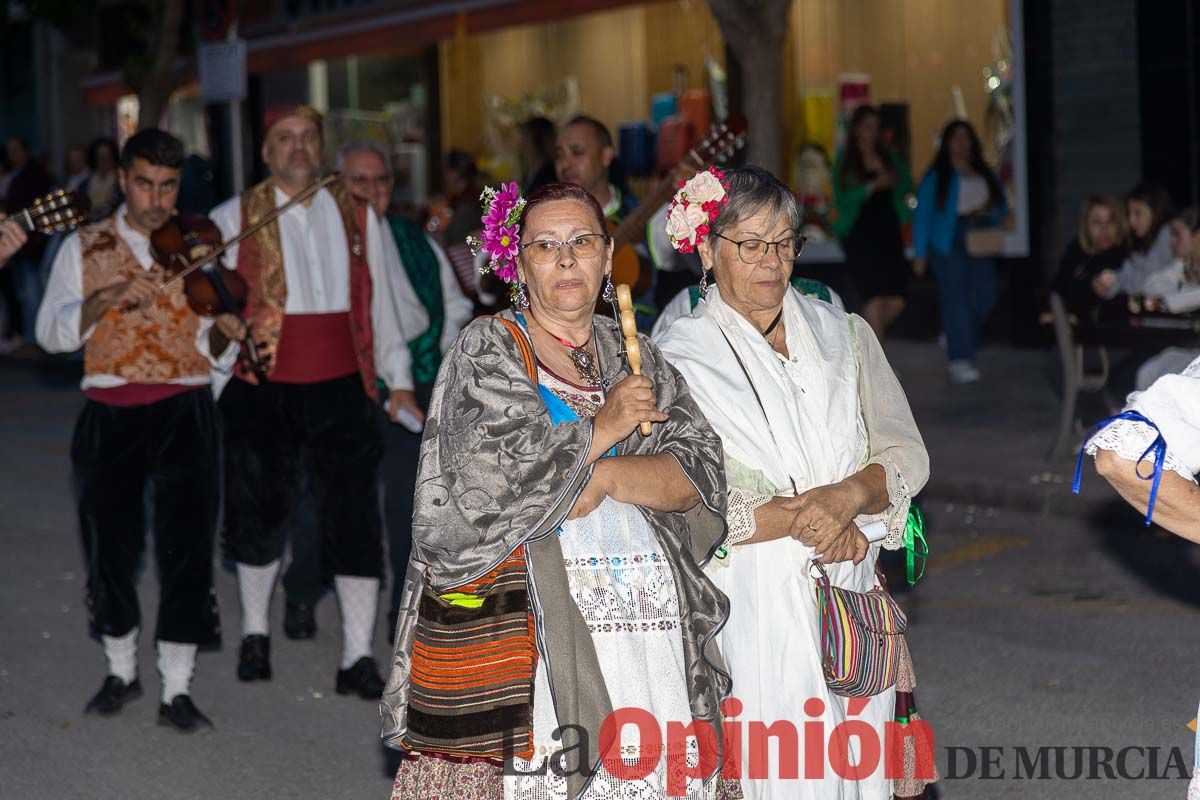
633	349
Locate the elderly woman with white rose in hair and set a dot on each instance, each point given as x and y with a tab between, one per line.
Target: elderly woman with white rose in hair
821	458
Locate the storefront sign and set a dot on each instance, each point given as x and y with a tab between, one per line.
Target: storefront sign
222	71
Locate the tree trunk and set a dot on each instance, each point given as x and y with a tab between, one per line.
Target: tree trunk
163	76
755	31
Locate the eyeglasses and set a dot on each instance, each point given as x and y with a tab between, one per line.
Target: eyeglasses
753	251
366	181
587	245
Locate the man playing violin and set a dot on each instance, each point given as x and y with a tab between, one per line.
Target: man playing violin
149	423
320	305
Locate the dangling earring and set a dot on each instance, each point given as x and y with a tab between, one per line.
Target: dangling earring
609	291
704	283
520	299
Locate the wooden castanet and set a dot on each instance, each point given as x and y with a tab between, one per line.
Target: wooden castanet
633	349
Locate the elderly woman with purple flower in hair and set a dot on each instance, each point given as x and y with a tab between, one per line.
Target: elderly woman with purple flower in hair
558	554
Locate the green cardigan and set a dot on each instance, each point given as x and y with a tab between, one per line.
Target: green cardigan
848	200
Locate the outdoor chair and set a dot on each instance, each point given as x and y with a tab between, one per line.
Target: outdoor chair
1075	379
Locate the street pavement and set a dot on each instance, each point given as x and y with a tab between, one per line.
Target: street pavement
1044	620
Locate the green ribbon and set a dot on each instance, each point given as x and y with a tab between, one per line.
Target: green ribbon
915	545
464	600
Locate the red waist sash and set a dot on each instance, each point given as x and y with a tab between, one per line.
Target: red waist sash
137	394
314	348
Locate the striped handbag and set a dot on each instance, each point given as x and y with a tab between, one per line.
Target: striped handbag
474	657
861	637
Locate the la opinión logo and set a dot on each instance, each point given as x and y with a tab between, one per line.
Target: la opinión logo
853	749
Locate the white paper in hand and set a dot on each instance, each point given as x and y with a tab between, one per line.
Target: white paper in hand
404	417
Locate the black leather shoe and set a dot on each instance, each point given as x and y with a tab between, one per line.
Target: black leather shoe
113	695
254	660
362	678
182	715
299	621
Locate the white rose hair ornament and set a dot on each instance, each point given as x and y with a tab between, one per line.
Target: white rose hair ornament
501	239
696	206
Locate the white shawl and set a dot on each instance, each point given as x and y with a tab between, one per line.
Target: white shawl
811	431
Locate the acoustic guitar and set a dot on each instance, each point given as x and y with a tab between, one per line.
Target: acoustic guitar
58	211
722	141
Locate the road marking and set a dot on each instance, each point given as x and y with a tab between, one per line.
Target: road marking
984	548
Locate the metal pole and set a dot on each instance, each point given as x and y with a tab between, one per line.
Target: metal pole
237	160
235	145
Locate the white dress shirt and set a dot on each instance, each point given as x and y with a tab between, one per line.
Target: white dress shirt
62	304
459	309
316	266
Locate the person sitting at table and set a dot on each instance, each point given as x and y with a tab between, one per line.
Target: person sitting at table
1184	274
1184	271
1149	209
1099	246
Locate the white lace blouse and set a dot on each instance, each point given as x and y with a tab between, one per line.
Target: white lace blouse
1173	404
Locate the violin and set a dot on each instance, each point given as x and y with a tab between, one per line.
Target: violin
189	240
189	248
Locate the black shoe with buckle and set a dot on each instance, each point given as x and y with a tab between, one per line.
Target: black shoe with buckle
299	621
113	695
182	715
362	678
254	660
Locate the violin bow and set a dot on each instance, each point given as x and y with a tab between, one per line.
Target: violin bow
633	349
299	197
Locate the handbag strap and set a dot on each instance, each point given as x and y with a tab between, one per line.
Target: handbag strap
522	345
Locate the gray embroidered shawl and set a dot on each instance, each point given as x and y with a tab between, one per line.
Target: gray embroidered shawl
495	473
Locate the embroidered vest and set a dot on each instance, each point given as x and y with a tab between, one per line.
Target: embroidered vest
153	344
424	273
260	262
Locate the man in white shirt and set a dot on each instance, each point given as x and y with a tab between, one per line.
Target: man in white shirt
149	422
408	251
321	308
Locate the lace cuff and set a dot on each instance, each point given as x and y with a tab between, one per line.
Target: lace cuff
1129	440
739	517
895	516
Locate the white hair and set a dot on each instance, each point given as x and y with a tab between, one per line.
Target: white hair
358	146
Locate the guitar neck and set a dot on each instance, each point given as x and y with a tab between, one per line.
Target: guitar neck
25	220
632	229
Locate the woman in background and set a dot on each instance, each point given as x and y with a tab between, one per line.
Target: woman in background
1099	246
959	192
1149	208
101	186
871	188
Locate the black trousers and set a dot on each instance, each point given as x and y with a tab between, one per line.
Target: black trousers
280	435
169	453
302	580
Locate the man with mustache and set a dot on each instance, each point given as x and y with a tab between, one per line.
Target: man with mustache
149	423
322	308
